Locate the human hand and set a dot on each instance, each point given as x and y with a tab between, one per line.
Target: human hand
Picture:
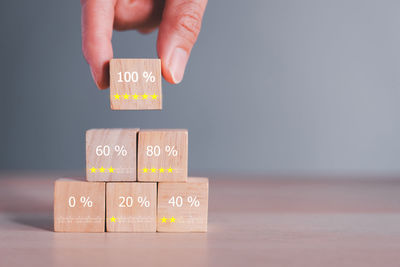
179	23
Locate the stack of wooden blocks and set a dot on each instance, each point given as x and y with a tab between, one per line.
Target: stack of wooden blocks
137	180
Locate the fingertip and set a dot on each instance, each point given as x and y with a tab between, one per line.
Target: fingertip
101	76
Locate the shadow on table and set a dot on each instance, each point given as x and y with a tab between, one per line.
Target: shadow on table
42	221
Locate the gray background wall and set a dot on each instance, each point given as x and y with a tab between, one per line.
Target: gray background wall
272	87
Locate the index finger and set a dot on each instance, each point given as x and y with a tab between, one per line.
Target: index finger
97	27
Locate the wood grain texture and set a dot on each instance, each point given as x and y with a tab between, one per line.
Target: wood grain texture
253	221
142	94
165	167
71	211
188	217
127	209
116	166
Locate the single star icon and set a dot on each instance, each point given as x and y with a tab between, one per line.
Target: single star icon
154	96
144	96
93	169
117	96
135	96
170	170
145	170
112	219
111	169
172	219
161	170
153	169
163	219
101	169
126	96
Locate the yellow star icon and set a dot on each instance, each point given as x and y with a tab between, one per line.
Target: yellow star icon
93	169
135	96
172	219
112	219
144	96
163	219
154	96
161	170
111	169
101	169
117	96
170	170
126	96
153	169
145	170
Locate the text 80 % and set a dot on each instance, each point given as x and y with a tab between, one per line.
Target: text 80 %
156	151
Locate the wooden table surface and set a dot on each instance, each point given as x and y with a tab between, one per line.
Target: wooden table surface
253	221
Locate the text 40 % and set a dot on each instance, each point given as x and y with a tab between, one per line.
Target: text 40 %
85	201
156	151
178	201
106	150
127	202
134	77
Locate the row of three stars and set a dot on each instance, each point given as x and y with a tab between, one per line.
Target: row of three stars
164	220
102	169
161	170
135	96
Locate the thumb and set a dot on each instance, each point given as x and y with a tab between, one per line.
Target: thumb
179	28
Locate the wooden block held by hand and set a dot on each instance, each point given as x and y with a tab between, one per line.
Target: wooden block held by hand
79	206
135	83
111	154
183	207
131	207
163	155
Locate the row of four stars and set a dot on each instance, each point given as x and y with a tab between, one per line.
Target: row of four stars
161	170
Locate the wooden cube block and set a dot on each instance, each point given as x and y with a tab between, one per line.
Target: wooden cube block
183	207
163	155
131	207
79	206
135	84
111	154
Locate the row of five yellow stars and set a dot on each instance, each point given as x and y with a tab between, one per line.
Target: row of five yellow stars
161	170
101	169
135	96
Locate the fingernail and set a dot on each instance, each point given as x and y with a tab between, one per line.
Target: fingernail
177	64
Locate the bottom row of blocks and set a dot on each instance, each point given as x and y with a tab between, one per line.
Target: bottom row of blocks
81	206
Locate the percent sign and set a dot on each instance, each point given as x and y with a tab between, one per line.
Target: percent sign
149	76
106	150
171	151
83	200
193	201
143	202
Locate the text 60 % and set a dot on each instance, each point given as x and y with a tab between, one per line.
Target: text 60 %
106	150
